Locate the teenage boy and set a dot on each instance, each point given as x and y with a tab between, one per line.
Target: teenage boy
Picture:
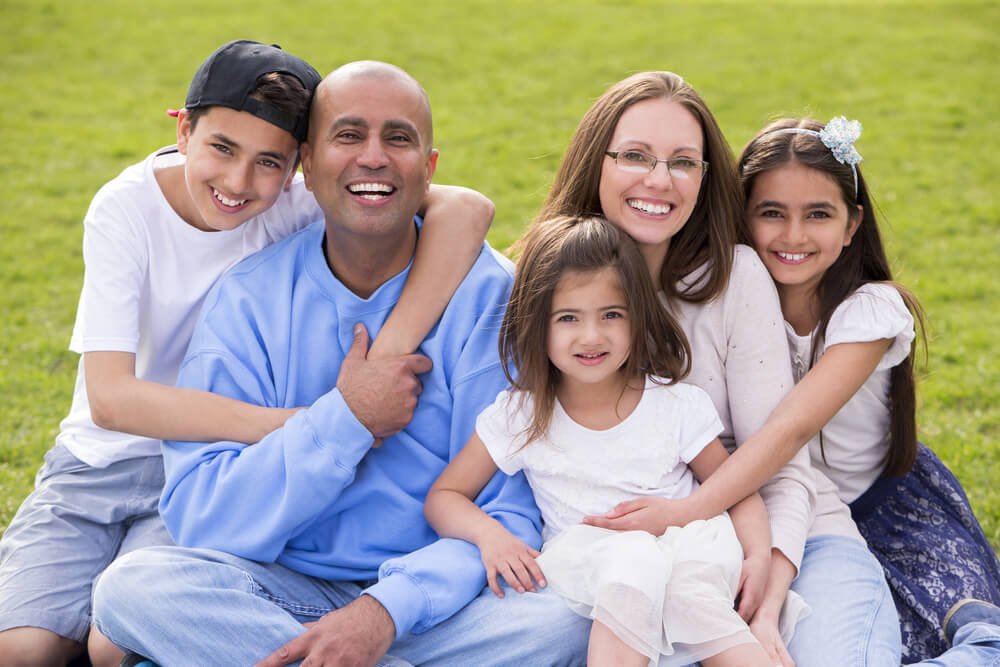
311	524
156	238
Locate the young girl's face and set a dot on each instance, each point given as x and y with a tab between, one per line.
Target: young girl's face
799	223
590	333
651	206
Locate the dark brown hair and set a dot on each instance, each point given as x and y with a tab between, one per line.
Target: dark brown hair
863	261
282	91
708	236
550	248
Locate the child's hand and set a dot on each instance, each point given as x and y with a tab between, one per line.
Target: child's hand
651	514
505	555
753	580
764	627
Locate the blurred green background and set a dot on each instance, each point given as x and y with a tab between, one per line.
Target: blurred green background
84	86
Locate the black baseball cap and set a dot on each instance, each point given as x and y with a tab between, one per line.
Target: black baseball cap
229	75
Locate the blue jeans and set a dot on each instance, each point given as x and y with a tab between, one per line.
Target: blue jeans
199	607
974	645
853	621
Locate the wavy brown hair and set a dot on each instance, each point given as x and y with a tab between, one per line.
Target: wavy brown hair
549	249
863	261
708	235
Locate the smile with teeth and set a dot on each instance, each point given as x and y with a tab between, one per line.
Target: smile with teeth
647	207
371	191
226	200
792	256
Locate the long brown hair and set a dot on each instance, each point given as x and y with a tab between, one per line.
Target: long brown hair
549	249
863	261
708	236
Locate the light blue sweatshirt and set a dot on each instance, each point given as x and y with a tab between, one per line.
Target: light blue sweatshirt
312	495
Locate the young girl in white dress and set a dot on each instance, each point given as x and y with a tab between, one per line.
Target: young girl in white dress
851	332
595	416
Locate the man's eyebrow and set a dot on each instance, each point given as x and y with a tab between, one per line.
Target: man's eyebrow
348	121
400	124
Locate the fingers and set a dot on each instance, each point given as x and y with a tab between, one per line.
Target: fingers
418	363
491	579
599	521
621	509
534	570
359	346
290	652
784	657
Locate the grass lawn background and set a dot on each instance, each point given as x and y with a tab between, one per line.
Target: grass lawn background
84	87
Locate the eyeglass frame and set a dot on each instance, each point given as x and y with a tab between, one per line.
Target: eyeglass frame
655	161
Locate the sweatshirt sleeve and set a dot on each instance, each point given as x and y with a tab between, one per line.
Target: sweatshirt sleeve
215	495
758	375
427	586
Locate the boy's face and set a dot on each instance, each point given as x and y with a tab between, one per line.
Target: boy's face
237	165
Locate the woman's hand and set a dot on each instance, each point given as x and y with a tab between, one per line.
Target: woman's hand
505	555
653	515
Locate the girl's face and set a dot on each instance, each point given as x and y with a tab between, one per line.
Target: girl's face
652	206
590	332
799	223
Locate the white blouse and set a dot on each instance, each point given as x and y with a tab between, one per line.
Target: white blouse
856	440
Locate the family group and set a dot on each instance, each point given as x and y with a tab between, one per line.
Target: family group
318	420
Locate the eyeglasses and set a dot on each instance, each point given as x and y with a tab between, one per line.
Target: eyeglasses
639	162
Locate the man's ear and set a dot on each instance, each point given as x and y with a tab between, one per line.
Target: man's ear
183	131
432	161
305	155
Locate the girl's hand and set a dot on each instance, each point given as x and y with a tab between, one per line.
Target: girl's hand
764	627
653	515
753	581
505	555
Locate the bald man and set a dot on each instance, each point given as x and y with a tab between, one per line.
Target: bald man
311	544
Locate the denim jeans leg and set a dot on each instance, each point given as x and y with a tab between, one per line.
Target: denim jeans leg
516	630
853	621
974	645
199	607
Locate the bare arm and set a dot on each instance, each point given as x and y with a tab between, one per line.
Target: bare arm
764	624
752	528
835	378
119	401
456	220
450	510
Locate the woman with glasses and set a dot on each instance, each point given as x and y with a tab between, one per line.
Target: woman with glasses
650	157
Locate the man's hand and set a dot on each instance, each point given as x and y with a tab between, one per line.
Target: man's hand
381	393
357	635
505	555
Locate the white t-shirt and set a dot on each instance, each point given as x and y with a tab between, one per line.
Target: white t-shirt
575	471
856	440
147	272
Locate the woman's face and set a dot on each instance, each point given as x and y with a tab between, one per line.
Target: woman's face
652	206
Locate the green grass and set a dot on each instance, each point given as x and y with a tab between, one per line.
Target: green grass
84	86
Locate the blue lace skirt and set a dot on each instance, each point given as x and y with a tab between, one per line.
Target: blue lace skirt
922	529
